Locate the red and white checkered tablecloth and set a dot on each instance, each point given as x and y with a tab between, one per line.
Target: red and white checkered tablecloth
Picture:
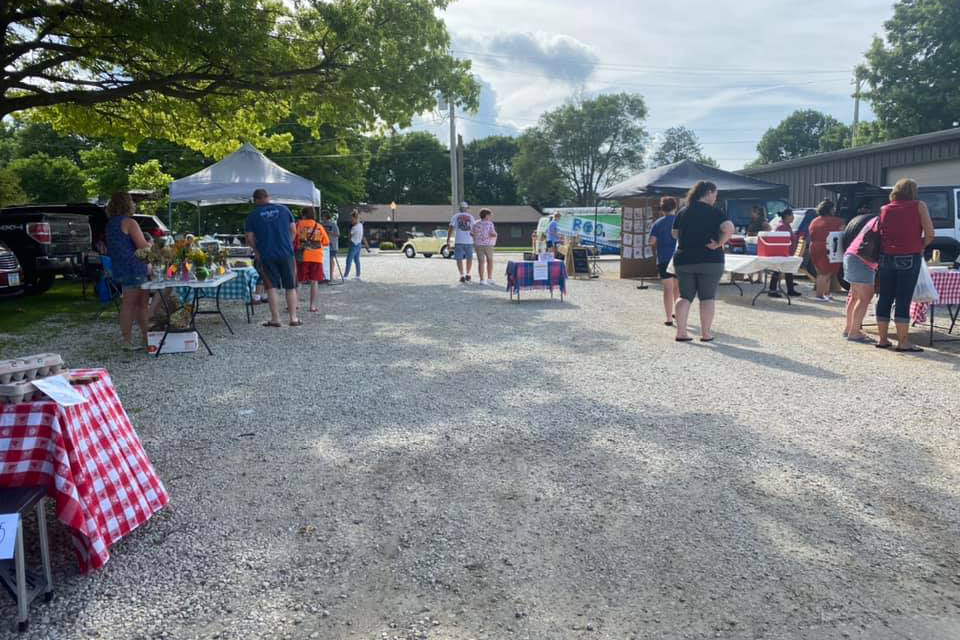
91	461
948	286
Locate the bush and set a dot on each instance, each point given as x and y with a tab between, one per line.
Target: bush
387	246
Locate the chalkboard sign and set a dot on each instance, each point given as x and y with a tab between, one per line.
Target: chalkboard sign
581	264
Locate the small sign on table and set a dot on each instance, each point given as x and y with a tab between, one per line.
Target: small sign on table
8	534
541	271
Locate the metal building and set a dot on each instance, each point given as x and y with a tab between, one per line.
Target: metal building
930	159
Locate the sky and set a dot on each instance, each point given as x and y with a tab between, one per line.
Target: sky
726	69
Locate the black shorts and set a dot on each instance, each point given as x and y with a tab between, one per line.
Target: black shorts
280	272
662	268
551	244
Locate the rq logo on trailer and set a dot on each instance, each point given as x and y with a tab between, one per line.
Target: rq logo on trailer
600	226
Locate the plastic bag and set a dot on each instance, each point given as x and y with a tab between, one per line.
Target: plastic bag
925	292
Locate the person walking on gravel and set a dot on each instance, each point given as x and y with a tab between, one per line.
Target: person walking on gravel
357	242
270	230
662	240
485	239
461	228
701	231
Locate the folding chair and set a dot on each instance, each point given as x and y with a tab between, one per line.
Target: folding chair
113	288
23	586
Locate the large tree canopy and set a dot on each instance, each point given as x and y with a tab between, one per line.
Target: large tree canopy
487	174
914	75
680	143
208	73
593	142
802	133
411	168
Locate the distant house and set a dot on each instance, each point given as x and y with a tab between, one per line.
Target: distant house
515	223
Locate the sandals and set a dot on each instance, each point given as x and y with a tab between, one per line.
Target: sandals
684	339
668	323
270	323
296	323
911	349
880	345
710	339
861	339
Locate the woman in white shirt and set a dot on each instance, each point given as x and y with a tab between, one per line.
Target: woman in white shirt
357	242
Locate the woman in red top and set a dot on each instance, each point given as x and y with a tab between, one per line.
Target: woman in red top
824	224
905	231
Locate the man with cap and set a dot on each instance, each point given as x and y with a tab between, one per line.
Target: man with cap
460	231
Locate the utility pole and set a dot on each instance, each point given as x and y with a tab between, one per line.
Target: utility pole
454	188
856	108
461	183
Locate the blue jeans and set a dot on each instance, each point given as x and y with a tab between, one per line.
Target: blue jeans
353	255
896	280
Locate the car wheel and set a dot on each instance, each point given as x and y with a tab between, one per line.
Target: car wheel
428	255
445	252
409	251
36	283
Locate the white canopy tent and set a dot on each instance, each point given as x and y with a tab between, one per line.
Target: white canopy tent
234	179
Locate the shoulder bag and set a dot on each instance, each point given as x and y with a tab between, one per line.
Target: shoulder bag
869	248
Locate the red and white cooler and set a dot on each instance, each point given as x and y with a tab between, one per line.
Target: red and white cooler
773	244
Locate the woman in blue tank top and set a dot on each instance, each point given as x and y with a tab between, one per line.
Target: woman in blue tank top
124	237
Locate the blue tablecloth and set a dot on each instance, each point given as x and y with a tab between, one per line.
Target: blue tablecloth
240	288
520	276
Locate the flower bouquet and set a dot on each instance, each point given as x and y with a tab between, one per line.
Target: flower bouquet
199	259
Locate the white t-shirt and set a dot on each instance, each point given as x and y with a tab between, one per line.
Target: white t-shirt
462	223
356	233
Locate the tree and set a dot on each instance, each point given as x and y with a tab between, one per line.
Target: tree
802	133
680	143
869	133
594	142
540	183
913	74
150	175
209	75
10	191
487	171
46	179
412	168
103	171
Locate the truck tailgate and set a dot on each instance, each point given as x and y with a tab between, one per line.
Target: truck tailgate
70	233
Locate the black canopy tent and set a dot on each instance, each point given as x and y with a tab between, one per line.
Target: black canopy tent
677	178
640	192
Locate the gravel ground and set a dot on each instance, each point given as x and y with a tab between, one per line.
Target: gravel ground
429	460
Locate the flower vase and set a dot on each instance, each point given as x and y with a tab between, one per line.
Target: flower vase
202	273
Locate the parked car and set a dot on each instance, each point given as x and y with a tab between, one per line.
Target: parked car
11	274
428	245
153	227
48	240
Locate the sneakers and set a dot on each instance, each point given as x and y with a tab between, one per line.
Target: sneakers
774	294
467	277
357	279
794	294
491	283
463	279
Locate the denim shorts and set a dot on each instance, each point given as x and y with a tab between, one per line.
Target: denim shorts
855	271
131	282
463	251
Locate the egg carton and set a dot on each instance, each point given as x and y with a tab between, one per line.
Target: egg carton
29	368
24	391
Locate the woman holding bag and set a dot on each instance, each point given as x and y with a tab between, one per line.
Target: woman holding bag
860	270
905	231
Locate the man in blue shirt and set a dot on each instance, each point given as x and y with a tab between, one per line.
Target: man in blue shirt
661	239
553	234
270	230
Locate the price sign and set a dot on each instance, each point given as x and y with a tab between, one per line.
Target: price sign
8	534
541	270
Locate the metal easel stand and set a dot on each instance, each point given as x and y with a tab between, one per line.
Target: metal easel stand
595	269
336	263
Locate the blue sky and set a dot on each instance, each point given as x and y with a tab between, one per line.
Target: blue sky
728	70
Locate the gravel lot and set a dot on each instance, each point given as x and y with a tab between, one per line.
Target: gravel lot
429	460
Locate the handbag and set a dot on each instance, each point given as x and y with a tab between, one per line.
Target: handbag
869	248
302	245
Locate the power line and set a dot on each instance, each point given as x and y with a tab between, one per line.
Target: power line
668	68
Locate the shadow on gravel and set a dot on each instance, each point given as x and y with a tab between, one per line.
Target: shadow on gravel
773	361
798	308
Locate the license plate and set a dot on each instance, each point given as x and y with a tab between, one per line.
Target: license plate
13	279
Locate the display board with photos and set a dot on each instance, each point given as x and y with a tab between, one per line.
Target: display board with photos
638	258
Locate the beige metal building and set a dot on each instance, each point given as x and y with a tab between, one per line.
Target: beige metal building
930	159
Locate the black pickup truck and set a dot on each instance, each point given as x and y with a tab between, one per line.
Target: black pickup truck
47	240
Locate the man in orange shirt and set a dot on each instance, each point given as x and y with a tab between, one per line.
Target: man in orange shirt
311	239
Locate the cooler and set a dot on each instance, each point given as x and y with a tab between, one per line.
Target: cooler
773	244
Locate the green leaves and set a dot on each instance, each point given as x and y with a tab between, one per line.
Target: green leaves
680	143
210	74
914	73
46	179
802	133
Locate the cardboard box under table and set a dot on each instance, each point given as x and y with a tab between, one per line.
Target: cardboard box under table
214	285
89	458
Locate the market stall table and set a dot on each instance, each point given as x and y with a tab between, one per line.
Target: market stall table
521	274
947	283
91	461
216	284
240	288
749	264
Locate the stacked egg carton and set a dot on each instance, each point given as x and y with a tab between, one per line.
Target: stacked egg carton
17	376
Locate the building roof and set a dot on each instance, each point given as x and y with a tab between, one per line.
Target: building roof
946	135
677	178
441	213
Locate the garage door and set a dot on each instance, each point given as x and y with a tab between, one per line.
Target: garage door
932	174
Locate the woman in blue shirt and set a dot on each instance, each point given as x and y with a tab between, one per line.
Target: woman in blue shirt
661	238
124	237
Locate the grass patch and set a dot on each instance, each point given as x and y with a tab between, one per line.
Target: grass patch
63	301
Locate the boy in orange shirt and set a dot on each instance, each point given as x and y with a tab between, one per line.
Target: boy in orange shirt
311	238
